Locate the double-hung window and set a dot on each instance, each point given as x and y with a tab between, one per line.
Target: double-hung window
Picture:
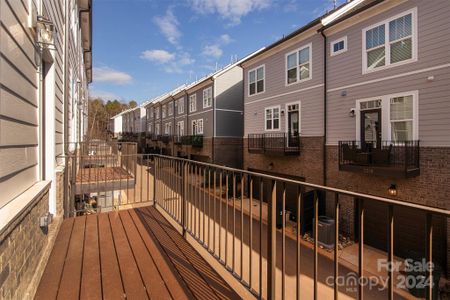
272	118
163	111
256	79
402	118
180	106
168	128
170	109
157	129
207	97
150	113
157	113
298	65
390	42
193	103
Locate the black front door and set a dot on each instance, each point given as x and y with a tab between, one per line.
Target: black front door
293	127
371	128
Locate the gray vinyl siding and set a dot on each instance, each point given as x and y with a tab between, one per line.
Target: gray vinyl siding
229	103
433	51
199	93
309	93
18	103
208	122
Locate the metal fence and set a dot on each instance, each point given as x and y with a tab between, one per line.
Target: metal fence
281	143
240	217
252	223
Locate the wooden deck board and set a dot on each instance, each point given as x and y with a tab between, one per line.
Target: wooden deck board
131	278
133	254
71	275
91	276
111	279
151	276
48	287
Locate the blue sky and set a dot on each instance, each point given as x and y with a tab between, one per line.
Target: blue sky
143	48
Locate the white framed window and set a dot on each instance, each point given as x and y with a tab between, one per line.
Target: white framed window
298	65
157	129
180	128
180	106
197	127
170	109
391	42
207	97
163	111
150	113
193	103
168	128
157	113
149	128
272	118
338	46
402	118
256	80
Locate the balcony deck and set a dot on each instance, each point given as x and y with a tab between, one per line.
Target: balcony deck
134	254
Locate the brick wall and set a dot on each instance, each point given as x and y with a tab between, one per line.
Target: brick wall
228	152
21	250
307	165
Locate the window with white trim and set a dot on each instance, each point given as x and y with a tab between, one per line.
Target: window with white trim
157	129
402	118
180	128
197	127
170	109
207	97
272	118
150	113
256	81
180	106
163	111
298	65
338	46
150	127
193	103
391	42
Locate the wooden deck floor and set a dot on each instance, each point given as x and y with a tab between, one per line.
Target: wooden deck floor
133	254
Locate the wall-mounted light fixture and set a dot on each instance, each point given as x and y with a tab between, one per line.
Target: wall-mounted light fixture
45	32
351	113
270	167
392	190
343	93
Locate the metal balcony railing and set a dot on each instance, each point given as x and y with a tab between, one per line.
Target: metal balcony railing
389	158
192	140
241	218
166	138
178	139
274	143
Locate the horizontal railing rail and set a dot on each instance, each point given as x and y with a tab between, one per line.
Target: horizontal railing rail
192	140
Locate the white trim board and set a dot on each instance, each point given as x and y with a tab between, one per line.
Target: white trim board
229	110
285	94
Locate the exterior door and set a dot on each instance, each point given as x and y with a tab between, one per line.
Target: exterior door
293	126
371	128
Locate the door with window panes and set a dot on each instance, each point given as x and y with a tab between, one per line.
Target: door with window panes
293	118
370	124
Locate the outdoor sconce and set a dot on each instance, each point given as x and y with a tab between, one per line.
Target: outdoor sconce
45	32
392	190
351	114
282	112
270	167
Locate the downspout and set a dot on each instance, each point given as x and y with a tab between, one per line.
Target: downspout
68	207
324	150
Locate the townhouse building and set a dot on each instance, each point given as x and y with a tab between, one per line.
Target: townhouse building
358	99
204	120
46	66
115	126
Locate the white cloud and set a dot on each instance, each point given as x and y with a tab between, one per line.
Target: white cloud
213	51
171	62
160	56
106	74
168	25
232	10
225	39
93	94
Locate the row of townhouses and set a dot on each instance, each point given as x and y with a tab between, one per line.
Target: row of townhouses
45	69
357	99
